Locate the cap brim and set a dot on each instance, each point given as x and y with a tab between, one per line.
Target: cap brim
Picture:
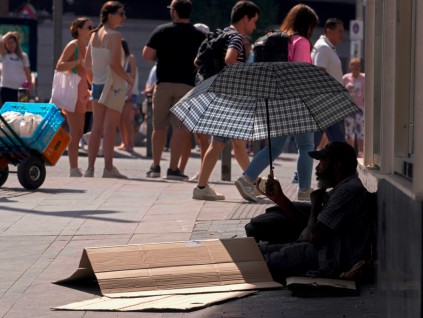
318	154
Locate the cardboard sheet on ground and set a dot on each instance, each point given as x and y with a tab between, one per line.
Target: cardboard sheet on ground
156	303
175	268
315	287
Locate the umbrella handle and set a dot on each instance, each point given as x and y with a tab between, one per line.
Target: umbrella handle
268	137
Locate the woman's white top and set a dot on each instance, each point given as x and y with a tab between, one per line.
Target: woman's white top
101	60
13	74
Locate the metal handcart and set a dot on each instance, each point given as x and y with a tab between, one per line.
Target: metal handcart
31	154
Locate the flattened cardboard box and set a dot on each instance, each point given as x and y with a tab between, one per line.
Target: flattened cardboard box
155	303
192	267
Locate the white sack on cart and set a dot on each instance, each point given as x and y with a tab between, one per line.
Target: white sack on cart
29	123
14	120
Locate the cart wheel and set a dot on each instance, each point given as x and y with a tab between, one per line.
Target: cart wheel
4	173
31	173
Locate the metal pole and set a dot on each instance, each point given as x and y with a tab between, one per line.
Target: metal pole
57	30
226	163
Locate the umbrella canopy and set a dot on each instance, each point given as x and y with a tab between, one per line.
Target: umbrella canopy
299	98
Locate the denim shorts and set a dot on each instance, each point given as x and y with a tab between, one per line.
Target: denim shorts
96	91
221	139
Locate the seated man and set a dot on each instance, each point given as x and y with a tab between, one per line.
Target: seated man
338	227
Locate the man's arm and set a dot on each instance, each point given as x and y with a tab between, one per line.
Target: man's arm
274	192
317	232
231	57
149	54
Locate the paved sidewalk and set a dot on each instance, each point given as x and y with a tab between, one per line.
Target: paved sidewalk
43	233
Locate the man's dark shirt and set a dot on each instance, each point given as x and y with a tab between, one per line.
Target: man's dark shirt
345	214
176	46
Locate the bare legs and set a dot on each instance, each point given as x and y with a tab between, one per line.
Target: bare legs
212	155
126	127
76	126
105	122
203	141
240	152
209	161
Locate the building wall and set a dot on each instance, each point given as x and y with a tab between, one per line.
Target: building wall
394	118
399	251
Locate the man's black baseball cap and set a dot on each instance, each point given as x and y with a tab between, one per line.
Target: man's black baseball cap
338	150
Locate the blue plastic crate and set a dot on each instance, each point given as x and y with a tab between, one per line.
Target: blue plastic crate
45	131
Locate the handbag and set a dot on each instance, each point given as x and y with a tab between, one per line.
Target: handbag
114	92
64	93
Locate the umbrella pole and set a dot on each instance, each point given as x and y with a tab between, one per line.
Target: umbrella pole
268	138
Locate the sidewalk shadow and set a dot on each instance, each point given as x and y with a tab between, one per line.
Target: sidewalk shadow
84	285
84	214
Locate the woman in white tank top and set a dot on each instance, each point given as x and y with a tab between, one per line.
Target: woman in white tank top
103	63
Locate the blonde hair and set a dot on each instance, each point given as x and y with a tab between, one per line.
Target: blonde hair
16	36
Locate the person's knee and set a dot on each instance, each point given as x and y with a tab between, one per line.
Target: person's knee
250	231
216	146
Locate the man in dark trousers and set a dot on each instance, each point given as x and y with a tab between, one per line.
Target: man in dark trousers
174	47
336	234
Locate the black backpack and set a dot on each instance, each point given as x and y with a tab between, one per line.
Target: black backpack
211	53
272	47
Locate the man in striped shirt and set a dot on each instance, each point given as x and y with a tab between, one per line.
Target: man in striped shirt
244	17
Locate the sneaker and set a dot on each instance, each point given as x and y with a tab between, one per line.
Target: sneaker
207	193
86	137
114	173
246	189
89	173
176	175
304	195
154	172
75	173
195	178
81	144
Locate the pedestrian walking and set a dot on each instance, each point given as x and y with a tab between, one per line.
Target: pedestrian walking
299	23
325	57
73	58
110	85
244	17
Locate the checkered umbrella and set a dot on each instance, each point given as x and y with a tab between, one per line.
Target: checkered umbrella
300	97
263	100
